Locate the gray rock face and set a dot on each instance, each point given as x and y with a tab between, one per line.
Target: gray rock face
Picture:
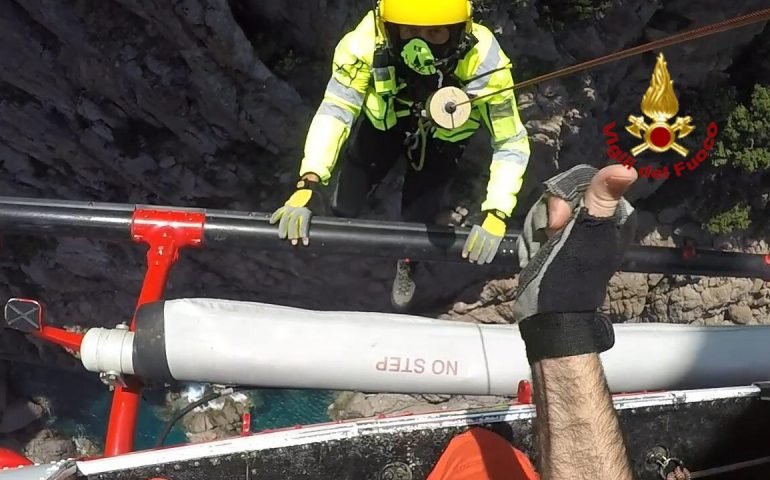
681	299
626	295
18	415
359	405
47	446
220	418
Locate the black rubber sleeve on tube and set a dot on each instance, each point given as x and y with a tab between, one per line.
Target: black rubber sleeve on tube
150	360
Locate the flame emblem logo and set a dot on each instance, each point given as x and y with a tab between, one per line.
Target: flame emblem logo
660	105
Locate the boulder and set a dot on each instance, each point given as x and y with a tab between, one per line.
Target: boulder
740	314
47	446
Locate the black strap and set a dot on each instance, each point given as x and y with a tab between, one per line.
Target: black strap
317	203
555	335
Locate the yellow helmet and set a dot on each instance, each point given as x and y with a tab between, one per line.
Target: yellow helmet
427	13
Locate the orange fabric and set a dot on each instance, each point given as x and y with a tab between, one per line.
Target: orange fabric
480	454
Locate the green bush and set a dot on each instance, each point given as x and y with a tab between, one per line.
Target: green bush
745	140
742	158
737	218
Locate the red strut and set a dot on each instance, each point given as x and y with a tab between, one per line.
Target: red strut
165	233
11	459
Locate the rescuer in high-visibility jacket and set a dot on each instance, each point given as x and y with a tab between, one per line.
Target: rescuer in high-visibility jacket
398	55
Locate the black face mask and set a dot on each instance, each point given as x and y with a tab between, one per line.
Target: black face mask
440	51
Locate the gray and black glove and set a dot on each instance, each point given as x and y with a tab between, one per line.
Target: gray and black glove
564	278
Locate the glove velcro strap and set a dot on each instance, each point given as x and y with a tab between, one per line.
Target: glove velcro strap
555	335
317	205
497	213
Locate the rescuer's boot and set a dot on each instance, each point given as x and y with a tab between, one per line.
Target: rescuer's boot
403	286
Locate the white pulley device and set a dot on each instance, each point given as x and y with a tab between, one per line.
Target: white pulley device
449	108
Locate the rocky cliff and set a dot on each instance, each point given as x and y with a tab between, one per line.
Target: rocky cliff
205	103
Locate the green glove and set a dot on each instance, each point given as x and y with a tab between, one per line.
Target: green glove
484	240
294	216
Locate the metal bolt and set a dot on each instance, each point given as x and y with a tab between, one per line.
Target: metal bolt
396	471
655	457
112	379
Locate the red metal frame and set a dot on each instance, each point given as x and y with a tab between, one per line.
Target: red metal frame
165	232
688	253
524	392
246	424
59	336
11	459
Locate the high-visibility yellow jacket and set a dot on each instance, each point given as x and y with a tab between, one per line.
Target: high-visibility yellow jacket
357	84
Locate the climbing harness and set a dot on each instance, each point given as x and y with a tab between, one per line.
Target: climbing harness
418	139
730	24
446	108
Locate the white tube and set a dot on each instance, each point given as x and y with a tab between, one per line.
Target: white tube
245	343
105	350
257	344
665	356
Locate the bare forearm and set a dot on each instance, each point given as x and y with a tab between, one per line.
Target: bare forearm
578	431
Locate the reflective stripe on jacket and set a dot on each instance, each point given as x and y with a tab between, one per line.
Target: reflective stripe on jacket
357	84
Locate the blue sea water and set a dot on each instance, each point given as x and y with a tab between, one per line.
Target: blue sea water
80	406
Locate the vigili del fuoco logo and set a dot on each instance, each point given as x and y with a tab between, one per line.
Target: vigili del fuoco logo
659	134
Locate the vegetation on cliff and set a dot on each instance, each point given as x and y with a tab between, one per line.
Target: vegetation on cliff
742	161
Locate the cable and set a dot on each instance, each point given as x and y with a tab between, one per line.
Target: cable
700	32
730	468
192	406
